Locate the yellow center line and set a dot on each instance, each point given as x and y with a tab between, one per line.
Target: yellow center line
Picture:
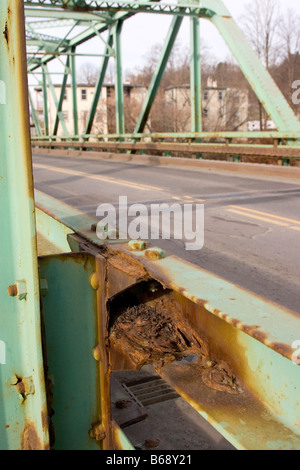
176	198
266	214
143	187
257	217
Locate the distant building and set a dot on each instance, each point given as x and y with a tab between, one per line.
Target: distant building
104	122
222	108
256	126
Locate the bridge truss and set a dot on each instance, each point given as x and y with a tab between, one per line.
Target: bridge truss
84	20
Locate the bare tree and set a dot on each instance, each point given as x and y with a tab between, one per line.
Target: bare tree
88	74
289	69
262	23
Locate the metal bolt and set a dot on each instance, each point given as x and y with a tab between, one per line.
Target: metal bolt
94	281
137	245
103	233
155	253
97	432
112	234
43	287
12	290
19	289
97	353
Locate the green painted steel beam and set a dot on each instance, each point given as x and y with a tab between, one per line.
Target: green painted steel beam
99	85
70	314
61	97
218	136
158	73
77	40
23	404
119	91
74	91
195	74
56	103
192	8
35	117
42	38
33	12
45	103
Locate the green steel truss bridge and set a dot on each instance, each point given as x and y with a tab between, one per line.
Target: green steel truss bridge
83	21
56	350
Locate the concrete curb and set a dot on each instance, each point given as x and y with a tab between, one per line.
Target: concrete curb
247	169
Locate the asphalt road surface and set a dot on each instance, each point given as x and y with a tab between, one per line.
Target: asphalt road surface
252	225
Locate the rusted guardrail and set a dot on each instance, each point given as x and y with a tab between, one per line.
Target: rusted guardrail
265	144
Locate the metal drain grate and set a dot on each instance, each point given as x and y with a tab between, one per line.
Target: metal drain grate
151	390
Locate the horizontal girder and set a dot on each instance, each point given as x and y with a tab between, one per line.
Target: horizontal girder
192	8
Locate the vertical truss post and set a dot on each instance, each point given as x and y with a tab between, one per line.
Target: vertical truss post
56	103
158	73
45	103
196	93
195	79
99	86
35	117
62	94
119	92
23	407
74	90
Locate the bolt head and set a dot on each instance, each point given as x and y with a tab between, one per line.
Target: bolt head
19	289
43	287
97	432
154	253
12	290
94	281
137	245
97	353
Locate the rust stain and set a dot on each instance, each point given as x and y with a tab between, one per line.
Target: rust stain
6	33
284	349
253	330
45	420
30	438
234	321
128	265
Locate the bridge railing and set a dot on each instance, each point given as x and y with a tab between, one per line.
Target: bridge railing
282	145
